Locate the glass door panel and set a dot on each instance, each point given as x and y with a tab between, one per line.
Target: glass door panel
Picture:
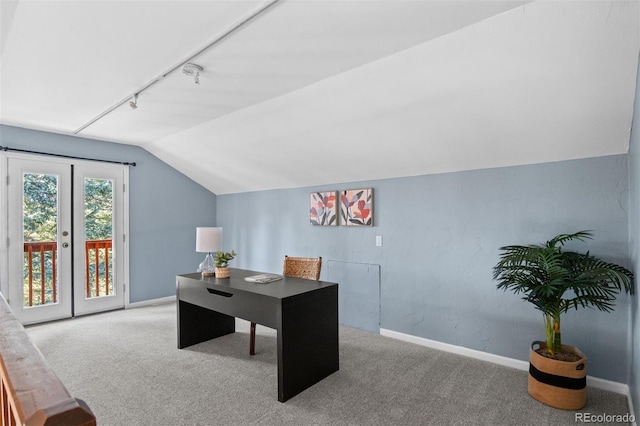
40	234
98	221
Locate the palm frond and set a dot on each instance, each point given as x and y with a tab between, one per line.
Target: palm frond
564	238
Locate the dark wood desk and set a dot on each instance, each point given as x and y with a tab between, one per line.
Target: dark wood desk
304	313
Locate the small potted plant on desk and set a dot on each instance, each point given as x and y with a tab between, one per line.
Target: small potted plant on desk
222	263
556	281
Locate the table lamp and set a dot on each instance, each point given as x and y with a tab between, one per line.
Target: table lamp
208	240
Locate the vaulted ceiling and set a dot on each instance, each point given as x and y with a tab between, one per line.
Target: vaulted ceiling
296	92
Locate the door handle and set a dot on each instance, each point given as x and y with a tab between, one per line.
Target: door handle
65	245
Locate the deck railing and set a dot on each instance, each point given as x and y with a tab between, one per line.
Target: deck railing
96	255
40	270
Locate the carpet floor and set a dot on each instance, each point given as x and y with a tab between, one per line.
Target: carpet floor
126	366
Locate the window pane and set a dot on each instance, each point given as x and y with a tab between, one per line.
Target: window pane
98	223
40	230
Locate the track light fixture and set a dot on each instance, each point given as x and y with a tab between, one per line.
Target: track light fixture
187	67
193	70
133	104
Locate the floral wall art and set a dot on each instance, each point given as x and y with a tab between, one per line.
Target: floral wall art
323	208
356	207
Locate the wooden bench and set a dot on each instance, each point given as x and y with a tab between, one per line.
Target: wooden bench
30	392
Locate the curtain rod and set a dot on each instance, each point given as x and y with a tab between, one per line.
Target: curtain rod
6	148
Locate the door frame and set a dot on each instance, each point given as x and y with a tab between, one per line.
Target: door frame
63	308
4	223
83	305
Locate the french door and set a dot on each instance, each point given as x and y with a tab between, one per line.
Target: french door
65	226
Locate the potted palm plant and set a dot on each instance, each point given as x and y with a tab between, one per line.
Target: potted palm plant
222	263
555	280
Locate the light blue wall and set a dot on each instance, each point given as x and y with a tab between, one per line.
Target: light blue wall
634	242
441	235
165	208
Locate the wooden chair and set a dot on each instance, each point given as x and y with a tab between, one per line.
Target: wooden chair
298	267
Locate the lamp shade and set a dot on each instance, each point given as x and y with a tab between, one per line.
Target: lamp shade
208	240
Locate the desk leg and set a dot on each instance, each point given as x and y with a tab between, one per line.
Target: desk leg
307	341
197	324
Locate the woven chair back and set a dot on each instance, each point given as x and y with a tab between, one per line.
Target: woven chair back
302	267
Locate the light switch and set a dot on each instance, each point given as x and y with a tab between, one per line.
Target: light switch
378	240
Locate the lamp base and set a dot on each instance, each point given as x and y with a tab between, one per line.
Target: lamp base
208	266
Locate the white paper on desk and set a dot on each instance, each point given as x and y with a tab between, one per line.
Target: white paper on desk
263	278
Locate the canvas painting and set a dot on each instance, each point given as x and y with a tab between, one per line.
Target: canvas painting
323	208
356	207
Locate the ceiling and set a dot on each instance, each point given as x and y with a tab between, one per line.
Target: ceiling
299	93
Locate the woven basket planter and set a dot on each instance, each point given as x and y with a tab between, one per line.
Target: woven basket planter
223	272
559	384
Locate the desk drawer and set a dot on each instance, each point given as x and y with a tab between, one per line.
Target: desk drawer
242	304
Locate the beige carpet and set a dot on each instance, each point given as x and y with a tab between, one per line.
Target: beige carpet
126	366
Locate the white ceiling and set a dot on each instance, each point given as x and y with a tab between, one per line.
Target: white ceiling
320	92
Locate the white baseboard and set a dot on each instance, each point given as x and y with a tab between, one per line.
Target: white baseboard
609	385
460	350
159	301
595	382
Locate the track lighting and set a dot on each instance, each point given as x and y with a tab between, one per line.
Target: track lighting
133	104
194	70
187	67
